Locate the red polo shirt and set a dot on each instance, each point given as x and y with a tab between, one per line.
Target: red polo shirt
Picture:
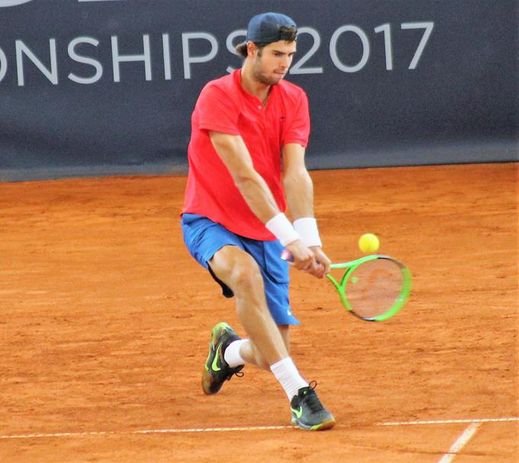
224	106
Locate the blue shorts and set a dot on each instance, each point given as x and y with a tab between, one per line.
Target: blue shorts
204	238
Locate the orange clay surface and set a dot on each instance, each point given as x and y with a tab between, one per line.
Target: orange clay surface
105	322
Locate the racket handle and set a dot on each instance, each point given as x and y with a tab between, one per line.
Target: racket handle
286	255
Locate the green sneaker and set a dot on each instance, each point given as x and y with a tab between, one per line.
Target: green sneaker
308	412
216	370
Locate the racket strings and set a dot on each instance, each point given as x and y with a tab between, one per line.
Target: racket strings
374	287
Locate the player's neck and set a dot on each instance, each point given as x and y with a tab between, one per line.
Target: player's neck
253	86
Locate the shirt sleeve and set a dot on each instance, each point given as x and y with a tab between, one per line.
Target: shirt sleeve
297	129
217	111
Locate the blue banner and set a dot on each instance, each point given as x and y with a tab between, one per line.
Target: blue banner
108	86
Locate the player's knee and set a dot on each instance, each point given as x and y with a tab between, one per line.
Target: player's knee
245	275
237	269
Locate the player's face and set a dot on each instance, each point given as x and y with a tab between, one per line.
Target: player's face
271	63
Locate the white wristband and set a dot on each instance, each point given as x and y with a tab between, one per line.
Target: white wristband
282	229
307	229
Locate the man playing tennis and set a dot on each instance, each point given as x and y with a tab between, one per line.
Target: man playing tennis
246	164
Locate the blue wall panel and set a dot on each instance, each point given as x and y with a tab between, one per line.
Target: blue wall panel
91	87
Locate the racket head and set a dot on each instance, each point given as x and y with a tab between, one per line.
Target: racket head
374	287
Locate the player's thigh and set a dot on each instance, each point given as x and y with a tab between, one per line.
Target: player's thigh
236	268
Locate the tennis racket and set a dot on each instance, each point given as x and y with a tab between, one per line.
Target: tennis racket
373	288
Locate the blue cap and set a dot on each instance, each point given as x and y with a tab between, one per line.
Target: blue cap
265	27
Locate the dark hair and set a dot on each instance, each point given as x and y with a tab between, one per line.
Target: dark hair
289	34
241	49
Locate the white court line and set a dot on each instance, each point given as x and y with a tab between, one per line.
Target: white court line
453	421
460	442
142	431
238	428
228	429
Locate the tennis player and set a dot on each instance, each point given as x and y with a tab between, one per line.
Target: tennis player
246	164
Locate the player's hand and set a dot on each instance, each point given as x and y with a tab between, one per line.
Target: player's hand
303	258
322	260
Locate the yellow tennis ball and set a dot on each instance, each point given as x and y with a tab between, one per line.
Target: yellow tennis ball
369	243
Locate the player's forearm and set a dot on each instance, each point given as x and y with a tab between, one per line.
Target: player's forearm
235	155
257	195
299	193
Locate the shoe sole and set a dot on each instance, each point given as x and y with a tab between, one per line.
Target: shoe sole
323	426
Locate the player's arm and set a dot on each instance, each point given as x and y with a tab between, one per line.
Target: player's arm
299	188
299	191
234	154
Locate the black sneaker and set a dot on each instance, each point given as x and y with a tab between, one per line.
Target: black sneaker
216	370
308	412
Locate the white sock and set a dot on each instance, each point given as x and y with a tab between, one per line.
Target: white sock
232	353
288	376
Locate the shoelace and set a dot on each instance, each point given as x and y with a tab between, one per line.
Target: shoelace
238	373
311	399
233	371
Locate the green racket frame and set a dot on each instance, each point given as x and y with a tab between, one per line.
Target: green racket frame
350	267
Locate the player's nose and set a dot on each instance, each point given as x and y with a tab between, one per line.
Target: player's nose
285	62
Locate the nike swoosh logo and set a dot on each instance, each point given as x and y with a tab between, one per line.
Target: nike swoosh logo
297	412
214	365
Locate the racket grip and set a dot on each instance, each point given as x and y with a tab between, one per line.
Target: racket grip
286	255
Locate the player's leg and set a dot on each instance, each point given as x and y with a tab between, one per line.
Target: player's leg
266	344
203	238
251	354
265	288
306	409
238	270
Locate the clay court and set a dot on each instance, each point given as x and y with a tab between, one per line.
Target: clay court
106	320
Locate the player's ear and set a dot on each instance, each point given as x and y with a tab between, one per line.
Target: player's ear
251	48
